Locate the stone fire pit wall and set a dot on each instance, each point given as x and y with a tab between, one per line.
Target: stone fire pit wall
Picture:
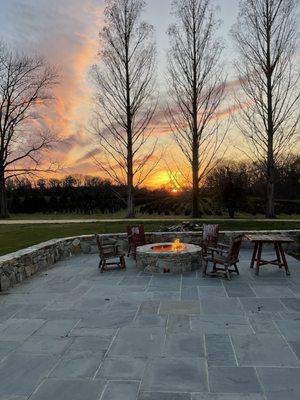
173	262
16	267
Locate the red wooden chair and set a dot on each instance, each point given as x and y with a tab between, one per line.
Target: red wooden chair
136	237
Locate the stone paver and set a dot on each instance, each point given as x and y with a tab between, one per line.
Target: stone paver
138	342
69	390
263	349
280	383
45	345
233	380
179	307
122	368
219	350
77	364
126	390
219	306
231	396
175	374
20	374
164	396
72	333
184	345
221	324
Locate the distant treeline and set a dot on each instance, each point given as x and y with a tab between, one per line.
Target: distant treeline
231	187
72	194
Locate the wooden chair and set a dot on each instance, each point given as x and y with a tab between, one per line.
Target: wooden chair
219	256
136	237
209	239
111	256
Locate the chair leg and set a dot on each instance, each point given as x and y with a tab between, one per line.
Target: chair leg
134	252
205	269
236	269
103	266
227	273
122	262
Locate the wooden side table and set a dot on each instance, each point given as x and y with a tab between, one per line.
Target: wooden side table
277	240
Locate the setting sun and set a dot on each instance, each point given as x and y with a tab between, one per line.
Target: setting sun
171	181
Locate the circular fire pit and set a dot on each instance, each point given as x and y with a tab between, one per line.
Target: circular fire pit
173	258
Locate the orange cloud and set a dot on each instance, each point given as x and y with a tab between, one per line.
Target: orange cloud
66	33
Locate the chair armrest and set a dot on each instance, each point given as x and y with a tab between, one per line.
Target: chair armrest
217	250
108	248
119	249
226	246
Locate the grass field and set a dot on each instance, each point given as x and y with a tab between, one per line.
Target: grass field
19	236
122	215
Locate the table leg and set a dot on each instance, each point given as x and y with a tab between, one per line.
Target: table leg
254	255
284	261
258	259
279	259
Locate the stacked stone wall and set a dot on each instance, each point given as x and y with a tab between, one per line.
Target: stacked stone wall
23	264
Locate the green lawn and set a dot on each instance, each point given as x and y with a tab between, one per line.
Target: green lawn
122	215
15	237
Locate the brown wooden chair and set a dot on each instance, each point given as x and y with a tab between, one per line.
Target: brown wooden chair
111	256
136	237
210	235
219	256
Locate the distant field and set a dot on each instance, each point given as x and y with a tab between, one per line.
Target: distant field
122	215
15	237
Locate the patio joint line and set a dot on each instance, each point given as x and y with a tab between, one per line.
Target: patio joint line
224	288
261	384
106	353
37	387
104	390
180	288
233	349
206	363
286	341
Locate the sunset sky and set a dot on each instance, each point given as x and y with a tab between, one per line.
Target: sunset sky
65	32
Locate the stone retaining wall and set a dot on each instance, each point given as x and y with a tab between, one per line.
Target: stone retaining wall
16	267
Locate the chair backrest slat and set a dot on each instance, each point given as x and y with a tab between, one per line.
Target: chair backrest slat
235	247
136	234
210	235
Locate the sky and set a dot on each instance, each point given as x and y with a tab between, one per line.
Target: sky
66	33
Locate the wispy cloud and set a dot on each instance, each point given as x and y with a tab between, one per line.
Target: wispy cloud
66	33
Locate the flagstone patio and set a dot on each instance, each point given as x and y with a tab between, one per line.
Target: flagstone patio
73	334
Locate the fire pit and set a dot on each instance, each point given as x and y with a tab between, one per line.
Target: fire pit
163	258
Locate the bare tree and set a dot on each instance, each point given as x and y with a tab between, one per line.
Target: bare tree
25	89
266	38
126	99
196	88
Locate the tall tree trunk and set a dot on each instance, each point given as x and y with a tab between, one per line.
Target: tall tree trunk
270	202
3	198
195	166
130	174
130	188
270	208
195	196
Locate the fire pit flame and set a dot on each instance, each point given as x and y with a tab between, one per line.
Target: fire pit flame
169	247
178	246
